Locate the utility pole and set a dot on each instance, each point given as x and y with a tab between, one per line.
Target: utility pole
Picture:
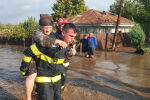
117	25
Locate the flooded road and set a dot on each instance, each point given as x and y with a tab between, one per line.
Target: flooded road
122	70
119	69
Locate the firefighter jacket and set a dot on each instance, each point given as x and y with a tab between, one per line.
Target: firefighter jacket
49	61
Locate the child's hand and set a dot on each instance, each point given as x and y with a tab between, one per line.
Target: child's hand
61	43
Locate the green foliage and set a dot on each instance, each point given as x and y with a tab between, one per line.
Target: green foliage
137	37
5	28
28	26
129	9
68	8
146	50
1	28
114	8
22	31
78	6
139	10
143	14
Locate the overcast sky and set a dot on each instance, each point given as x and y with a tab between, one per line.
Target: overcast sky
15	11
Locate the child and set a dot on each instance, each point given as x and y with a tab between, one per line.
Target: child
45	40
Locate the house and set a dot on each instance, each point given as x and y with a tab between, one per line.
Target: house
100	22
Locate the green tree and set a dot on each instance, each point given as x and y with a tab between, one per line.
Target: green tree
137	37
68	8
139	10
78	6
129	9
143	14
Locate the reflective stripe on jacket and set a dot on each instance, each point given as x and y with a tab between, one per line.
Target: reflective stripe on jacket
27	59
45	57
46	65
49	61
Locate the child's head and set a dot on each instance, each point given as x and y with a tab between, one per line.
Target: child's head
46	24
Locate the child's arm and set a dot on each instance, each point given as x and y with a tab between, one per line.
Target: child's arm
47	41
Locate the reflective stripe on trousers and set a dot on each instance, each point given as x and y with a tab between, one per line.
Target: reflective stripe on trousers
43	79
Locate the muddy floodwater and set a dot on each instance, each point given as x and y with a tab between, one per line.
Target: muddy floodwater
110	76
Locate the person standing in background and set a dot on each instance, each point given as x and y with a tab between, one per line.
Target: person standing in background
92	43
84	45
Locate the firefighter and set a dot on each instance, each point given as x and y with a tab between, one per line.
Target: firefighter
61	22
41	39
49	63
41	36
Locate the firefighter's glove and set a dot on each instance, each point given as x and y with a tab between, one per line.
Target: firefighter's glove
72	52
22	74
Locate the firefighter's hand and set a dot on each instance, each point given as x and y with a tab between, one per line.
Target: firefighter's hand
72	52
22	74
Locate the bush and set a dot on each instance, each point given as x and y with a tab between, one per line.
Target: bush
23	30
29	25
137	37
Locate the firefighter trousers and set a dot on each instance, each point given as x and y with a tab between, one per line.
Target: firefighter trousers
49	91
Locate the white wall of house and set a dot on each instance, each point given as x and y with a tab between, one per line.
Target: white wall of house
86	28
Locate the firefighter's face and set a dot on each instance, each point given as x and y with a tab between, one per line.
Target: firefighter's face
69	36
47	29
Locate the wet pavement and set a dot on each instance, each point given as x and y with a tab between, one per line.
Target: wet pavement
124	70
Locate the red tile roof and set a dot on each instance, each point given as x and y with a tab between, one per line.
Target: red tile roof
95	16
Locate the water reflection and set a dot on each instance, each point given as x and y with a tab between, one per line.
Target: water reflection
129	68
10	57
118	68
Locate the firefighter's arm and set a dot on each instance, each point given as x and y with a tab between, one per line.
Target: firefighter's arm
25	62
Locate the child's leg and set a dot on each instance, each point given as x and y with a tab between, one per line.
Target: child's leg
29	85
